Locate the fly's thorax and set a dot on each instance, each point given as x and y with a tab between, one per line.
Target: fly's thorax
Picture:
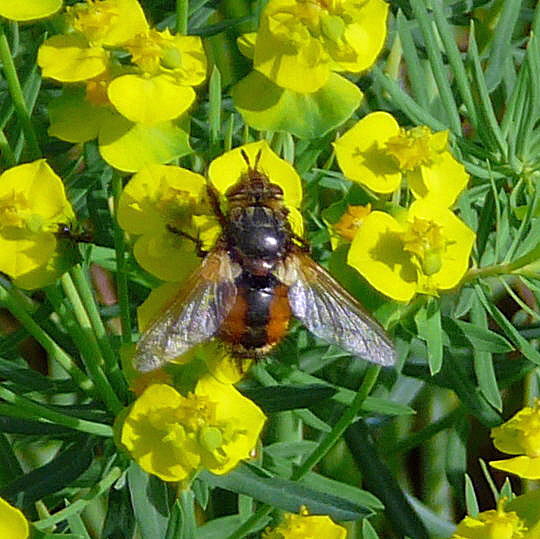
258	236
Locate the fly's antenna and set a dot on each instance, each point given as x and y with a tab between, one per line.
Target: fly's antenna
246	159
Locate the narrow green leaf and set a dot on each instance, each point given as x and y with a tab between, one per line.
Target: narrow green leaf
225	526
428	322
77	526
149	498
489	128
437	66
119	520
285	494
405	102
415	72
501	45
368	531
467	334
57	474
435	525
379	480
471	502
508	328
456	455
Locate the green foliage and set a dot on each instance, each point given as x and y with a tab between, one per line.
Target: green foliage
345	439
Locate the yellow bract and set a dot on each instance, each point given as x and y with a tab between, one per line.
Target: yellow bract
13	524
379	154
304	525
425	251
32	205
299	43
157	198
28	10
520	435
173	436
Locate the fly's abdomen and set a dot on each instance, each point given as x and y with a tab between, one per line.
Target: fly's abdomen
260	316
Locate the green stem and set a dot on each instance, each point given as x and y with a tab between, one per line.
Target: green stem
348	417
121	272
17	96
188	512
78	505
91	308
182	8
94	357
5	150
40	412
214	110
15	305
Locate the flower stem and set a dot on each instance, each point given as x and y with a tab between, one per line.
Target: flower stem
36	410
17	96
121	272
5	150
94	358
322	449
182	7
12	301
91	308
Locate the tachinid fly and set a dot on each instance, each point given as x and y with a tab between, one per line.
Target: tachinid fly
249	285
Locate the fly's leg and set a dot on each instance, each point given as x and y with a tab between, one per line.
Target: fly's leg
198	243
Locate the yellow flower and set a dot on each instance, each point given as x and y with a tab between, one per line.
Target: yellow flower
520	435
13	524
160	197
424	251
305	526
80	55
377	153
32	205
173	436
169	67
493	524
300	42
28	10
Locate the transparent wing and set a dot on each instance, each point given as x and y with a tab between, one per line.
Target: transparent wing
330	312
194	316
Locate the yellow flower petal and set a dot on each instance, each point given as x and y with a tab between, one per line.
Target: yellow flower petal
377	253
443	181
227	169
70	58
131	146
365	35
74	119
303	525
525	467
28	10
149	101
246	418
108	22
21	253
362	156
13	524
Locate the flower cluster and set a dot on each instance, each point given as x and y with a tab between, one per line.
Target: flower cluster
520	435
298	51
420	249
305	525
174	436
124	82
33	205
